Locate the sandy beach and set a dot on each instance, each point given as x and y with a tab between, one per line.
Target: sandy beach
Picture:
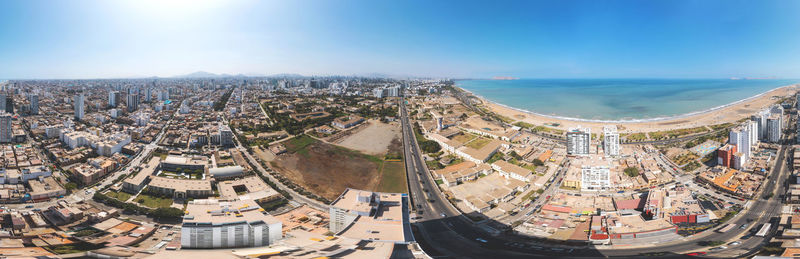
727	113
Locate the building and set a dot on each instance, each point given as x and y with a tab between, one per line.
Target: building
347	122
595	178
774	126
174	163
378	92
374	216
725	155
113	99
133	102
761	123
180	188
6	130
578	141
225	136
78	106
216	224
740	136
226	172
137	182
610	140
148	94
34	103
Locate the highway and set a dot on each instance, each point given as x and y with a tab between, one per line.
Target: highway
454	236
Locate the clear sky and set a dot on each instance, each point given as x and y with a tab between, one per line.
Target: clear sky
530	39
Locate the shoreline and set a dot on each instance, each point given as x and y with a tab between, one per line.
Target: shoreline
717	114
657	119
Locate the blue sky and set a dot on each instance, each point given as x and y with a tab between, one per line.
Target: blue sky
529	39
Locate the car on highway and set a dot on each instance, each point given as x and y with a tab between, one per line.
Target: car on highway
29	206
744	226
696	253
734	243
442	215
718	248
481	240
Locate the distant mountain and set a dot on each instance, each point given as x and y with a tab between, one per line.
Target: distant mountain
199	74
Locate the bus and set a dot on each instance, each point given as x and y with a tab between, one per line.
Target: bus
764	229
726	228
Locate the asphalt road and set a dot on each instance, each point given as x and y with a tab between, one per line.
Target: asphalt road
454	236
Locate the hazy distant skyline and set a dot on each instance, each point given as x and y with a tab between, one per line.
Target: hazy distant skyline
460	39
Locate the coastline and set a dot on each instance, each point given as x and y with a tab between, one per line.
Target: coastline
686	120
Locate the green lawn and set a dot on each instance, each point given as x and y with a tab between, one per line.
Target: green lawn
393	178
122	196
479	143
299	143
153	202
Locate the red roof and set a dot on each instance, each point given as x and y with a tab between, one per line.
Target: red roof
629	204
563	209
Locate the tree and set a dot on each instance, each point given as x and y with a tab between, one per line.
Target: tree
168	213
70	186
632	171
538	162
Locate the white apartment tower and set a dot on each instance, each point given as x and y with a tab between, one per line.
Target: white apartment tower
578	141
740	136
79	107
611	140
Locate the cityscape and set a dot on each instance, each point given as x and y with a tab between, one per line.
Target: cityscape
328	157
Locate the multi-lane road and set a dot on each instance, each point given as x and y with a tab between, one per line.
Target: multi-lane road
444	233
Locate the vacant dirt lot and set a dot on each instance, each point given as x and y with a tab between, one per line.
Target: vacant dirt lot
373	140
327	170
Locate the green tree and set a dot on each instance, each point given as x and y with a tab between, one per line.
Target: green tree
538	162
632	171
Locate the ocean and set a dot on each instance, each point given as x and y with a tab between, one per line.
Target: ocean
619	99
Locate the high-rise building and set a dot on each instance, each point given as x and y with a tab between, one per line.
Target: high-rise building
2	102
752	128
148	94
10	104
78	106
133	102
225	136
6	134
740	136
725	155
761	123
34	100
578	141
378	92
113	99
774	126
610	140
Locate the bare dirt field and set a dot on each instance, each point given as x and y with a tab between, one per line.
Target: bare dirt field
327	170
373	140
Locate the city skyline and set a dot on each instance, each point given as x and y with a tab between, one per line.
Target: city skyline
127	39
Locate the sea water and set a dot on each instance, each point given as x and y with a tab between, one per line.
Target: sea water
619	99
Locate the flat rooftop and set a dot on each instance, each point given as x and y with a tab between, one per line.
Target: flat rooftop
181	185
147	170
255	188
388	221
217	212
